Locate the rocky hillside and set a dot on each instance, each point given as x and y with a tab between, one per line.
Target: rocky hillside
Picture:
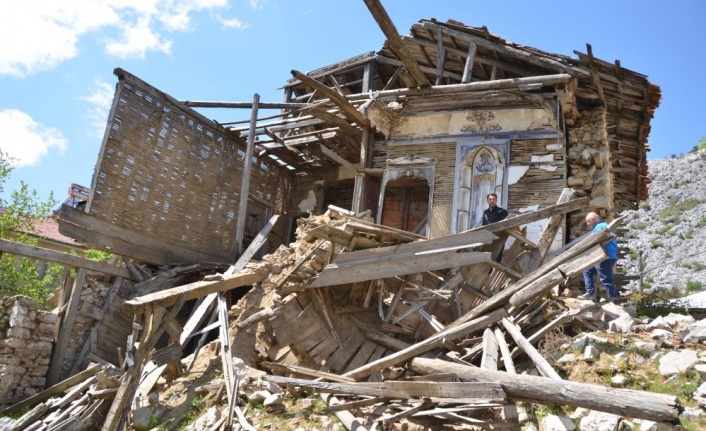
669	230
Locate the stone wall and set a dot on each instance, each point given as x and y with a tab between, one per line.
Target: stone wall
589	166
26	337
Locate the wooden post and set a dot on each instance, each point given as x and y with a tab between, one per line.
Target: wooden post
245	185
67	323
468	67
641	273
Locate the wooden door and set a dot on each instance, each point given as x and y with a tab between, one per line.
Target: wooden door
406	204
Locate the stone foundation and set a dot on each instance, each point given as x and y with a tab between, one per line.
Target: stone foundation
26	337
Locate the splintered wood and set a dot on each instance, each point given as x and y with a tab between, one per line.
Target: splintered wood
385	318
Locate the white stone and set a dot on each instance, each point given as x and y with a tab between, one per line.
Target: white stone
258	397
694	413
661	334
674	319
591	353
579	413
566	359
599	421
509	412
618	381
141	418
645	346
207	420
623	324
273	400
677	361
530	426
659	323
695	332
556	423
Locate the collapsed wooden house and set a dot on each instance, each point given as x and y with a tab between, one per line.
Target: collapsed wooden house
395	151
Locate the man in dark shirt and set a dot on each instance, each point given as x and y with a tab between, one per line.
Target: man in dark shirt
494	213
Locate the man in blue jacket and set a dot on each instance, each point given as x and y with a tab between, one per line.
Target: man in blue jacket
605	268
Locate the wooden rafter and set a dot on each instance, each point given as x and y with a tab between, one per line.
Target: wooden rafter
594	75
346	107
396	44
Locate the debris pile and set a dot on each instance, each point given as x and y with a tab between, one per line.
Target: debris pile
408	326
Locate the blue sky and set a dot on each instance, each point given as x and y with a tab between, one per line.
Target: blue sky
57	60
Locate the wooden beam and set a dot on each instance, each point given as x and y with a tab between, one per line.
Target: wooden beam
102	234
522	387
594	75
346	107
431	343
245	182
392	266
67	323
334	120
54	390
388	28
542	365
500	84
533	216
470	59
193	290
519	54
537	255
244	105
472	392
253	248
20	249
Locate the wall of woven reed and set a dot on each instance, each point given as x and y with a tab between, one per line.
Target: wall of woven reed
168	172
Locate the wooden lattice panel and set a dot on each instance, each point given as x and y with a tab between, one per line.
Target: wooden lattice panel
168	172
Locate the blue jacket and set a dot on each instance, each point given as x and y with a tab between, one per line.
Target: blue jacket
611	248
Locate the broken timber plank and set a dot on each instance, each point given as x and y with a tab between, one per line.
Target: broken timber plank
622	402
67	323
392	266
194	290
402	389
538	254
437	340
532	216
254	246
536	357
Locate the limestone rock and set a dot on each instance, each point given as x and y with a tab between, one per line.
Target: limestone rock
677	361
599	421
556	423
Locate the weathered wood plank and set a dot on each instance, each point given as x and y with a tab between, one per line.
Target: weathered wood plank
401	389
194	290
622	402
394	266
19	249
67	323
437	340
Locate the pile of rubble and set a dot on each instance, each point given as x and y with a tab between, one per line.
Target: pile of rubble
398	324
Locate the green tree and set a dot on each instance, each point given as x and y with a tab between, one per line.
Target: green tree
18	215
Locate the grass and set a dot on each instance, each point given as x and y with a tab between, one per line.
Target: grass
694	266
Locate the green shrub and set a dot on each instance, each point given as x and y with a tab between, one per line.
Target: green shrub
694	266
638	225
702	222
693	286
655	303
663	230
657	243
634	254
689	235
645	205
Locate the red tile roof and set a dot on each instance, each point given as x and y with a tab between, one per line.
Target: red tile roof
48	228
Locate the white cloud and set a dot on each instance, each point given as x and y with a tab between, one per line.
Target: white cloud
46	32
232	23
26	140
257	4
100	100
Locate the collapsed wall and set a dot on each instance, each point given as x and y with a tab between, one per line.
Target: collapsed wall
26	337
